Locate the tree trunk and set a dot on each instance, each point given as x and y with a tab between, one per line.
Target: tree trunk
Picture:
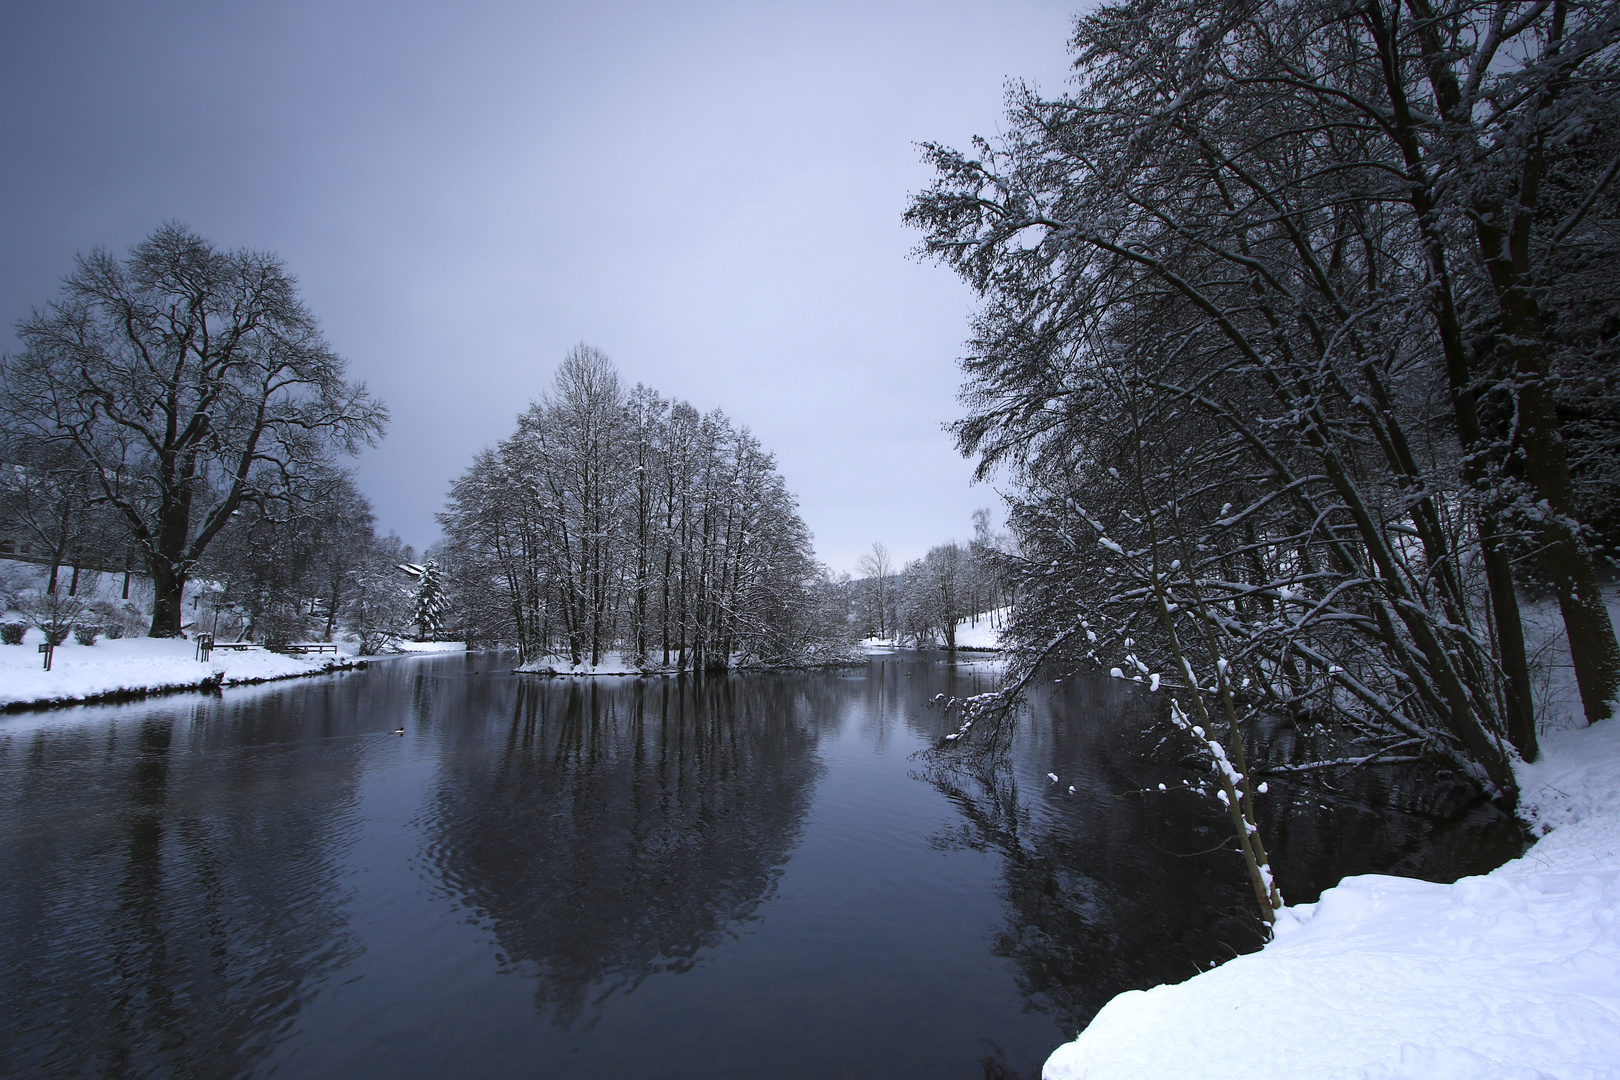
168	587
1565	558
1520	718
331	613
1518	705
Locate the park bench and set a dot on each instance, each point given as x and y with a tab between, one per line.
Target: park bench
206	644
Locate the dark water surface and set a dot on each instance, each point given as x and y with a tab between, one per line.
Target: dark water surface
749	876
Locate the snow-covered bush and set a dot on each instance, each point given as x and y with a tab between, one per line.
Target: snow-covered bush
11	633
53	612
87	634
14	578
118	619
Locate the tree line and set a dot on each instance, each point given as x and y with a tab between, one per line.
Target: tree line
1298	343
621	521
922	602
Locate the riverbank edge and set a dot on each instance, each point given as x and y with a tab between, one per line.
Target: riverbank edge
853	660
211	684
667	673
1395	977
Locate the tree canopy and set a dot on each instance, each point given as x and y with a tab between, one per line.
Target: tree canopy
1277	299
189	383
623	521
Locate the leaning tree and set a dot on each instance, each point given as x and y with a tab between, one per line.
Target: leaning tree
192	382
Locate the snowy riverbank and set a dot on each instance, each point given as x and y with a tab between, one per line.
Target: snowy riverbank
1514	974
613	663
617	663
981	633
133	667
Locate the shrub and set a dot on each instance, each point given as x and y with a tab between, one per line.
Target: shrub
115	630
86	635
12	632
55	634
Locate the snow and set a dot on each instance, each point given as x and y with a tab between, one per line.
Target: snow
982	631
612	663
1512	974
134	666
428	646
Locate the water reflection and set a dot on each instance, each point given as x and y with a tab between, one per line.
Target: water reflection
1114	885
176	907
619	827
1409	820
270	883
1109	887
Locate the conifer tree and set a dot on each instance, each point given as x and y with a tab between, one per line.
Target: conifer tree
430	603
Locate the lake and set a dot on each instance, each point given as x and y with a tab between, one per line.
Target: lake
754	875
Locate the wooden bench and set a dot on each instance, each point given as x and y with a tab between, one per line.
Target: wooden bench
206	645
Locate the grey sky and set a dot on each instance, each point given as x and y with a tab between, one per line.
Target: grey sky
709	193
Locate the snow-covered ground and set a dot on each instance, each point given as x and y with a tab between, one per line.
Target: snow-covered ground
612	664
1515	974
136	665
428	646
982	631
1512	974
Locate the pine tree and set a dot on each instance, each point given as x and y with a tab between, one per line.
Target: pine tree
430	603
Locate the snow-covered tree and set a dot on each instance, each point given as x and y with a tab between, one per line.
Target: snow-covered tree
429	602
622	520
1244	289
190	383
377	604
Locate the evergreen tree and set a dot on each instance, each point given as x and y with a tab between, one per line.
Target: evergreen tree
430	603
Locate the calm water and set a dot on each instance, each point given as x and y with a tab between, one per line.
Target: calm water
751	876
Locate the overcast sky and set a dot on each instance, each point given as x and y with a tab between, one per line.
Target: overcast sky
710	193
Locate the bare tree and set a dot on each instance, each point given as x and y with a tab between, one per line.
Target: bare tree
47	502
937	594
630	522
191	381
1246	287
876	568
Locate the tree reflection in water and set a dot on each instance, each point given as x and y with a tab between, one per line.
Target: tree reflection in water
1119	886
187	884
1100	897
159	915
621	826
